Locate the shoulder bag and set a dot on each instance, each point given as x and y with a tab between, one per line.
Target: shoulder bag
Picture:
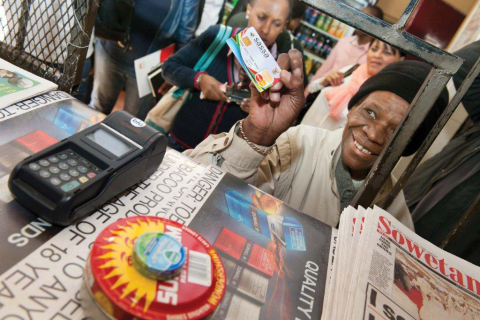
162	116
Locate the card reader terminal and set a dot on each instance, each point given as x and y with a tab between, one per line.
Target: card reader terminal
73	177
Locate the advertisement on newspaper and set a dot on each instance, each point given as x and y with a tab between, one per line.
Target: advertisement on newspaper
403	276
43	264
45	282
276	259
17	84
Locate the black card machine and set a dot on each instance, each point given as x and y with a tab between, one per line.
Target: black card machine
70	179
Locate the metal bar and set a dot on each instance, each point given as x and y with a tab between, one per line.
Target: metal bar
445	65
455	235
447	113
421	104
389	34
22	26
400	25
91	13
26	61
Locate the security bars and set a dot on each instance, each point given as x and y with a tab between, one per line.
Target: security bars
444	66
427	143
49	38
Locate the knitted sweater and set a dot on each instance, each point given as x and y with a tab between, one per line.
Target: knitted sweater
198	118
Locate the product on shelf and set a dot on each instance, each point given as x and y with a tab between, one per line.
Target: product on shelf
320	21
327	23
334	27
316	43
308	65
341	30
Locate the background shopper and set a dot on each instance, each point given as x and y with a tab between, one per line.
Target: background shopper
155	25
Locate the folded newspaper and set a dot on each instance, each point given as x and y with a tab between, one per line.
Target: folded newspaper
17	84
383	270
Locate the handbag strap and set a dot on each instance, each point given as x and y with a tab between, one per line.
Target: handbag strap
218	47
211	48
223	34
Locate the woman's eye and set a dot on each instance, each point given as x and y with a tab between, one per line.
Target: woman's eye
261	18
392	131
372	114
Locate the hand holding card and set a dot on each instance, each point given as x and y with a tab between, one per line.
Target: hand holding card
273	111
255	58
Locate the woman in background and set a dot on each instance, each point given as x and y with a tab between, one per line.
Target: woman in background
208	109
329	109
154	26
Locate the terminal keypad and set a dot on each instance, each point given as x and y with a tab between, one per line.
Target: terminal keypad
65	170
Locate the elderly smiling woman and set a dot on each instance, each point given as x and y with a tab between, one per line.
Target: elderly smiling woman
312	169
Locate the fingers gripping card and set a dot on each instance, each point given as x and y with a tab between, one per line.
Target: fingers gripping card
255	58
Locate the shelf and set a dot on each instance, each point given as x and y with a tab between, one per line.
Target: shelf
313	56
311	26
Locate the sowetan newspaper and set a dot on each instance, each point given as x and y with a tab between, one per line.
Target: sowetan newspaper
388	230
383	270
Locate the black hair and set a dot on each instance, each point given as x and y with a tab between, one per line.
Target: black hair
395	50
298	9
376	11
290	5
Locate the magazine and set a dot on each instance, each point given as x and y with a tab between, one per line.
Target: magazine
17	84
277	259
147	64
396	274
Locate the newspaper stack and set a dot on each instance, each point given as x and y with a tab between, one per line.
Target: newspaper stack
17	84
383	270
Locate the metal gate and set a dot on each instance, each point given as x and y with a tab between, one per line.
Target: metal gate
47	37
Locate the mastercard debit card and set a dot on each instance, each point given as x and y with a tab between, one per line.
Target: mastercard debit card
255	58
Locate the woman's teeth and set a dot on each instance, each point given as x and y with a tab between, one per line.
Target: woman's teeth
364	150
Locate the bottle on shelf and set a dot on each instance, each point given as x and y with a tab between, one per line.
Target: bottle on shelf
320	21
313	17
308	12
308	65
327	23
341	30
334	27
326	48
318	46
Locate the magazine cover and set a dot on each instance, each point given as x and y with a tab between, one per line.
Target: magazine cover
276	258
17	84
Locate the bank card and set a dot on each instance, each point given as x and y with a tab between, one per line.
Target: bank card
255	58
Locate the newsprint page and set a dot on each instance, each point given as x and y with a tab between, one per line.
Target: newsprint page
383	270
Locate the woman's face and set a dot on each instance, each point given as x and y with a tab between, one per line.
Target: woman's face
379	56
269	18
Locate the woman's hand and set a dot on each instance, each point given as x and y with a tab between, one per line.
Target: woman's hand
211	88
273	111
165	87
333	79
